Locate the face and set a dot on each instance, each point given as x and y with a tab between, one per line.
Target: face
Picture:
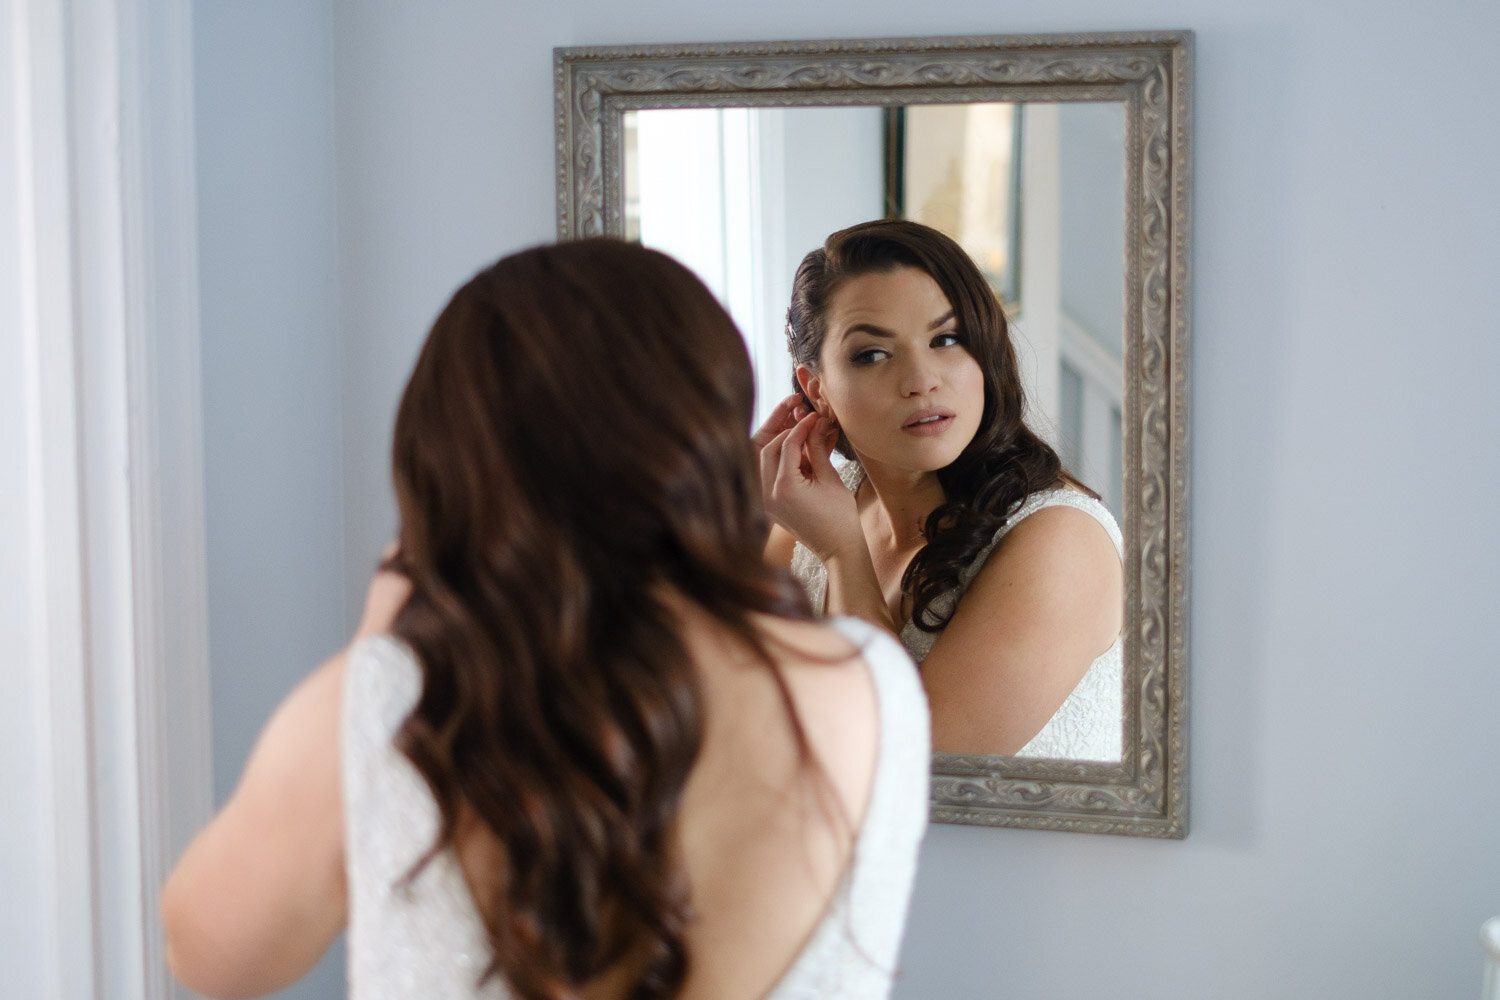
896	373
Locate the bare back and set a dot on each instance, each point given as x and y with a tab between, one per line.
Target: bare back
766	838
799	877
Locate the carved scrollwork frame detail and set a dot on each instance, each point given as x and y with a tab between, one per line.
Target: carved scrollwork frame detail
1146	793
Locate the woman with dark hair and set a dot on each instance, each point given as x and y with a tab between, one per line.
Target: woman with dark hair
954	525
585	743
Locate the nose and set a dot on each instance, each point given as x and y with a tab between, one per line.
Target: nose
918	377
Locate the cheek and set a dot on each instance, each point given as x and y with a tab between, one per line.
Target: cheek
840	398
970	378
853	407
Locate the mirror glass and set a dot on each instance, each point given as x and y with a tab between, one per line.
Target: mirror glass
1060	164
1035	193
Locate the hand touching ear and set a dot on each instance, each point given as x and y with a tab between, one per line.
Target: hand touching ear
384	599
802	490
783	418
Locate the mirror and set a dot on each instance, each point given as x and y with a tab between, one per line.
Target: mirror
1061	165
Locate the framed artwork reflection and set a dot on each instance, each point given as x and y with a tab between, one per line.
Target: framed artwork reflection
957	168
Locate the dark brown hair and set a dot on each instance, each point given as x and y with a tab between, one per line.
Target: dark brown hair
1006	461
574	439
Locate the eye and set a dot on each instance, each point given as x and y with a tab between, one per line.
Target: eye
869	356
950	338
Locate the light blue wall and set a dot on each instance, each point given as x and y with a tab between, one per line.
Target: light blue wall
1343	681
835	174
1346	235
1091	200
268	262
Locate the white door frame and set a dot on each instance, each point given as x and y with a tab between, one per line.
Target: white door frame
109	466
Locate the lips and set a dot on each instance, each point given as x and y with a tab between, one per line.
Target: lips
929	421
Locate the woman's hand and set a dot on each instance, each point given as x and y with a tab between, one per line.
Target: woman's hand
802	490
783	418
385	597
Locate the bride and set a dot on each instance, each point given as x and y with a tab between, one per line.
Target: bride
953	525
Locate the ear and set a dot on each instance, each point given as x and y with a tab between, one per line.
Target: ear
812	387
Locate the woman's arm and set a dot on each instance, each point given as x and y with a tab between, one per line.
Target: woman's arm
259	895
1048	602
853	587
780	545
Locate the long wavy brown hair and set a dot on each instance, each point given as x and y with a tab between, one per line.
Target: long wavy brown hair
1005	462
574	440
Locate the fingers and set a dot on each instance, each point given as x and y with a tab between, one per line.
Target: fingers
770	465
822	440
799	451
791	409
783	417
796	464
781	479
774	455
800	432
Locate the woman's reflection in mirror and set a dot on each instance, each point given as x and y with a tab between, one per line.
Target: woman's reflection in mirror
585	743
953	525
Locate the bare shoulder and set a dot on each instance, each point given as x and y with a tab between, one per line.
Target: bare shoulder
1045	604
1056	569
836	702
1063	540
817	659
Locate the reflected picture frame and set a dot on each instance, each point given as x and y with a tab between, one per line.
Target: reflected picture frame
1146	792
899	156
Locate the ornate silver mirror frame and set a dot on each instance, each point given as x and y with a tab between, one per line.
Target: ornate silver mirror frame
1145	794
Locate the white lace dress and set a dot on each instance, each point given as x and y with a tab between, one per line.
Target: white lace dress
424	940
1089	724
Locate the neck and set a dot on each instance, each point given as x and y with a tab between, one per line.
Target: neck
903	500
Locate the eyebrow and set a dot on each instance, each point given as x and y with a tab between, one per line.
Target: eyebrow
880	331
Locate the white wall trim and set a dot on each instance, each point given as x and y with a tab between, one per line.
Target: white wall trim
54	575
112	473
1041	275
172	659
